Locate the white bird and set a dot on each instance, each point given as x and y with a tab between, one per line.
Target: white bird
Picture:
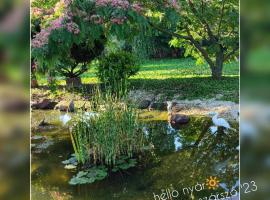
218	122
65	118
213	129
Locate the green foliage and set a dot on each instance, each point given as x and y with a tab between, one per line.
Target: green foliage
58	53
115	69
183	79
46	4
90	175
124	163
172	77
209	31
111	131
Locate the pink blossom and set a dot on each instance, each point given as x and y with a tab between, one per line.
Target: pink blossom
73	27
42	38
97	19
121	4
137	7
175	4
102	2
118	20
172	4
37	11
67	2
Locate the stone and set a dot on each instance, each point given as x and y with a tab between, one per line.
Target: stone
177	107
66	107
176	120
158	106
45	104
144	104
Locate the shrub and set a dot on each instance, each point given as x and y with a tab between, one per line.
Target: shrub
108	134
114	70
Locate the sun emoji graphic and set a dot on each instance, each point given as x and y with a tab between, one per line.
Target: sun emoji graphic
212	183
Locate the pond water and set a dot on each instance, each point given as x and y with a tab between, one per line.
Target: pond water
179	159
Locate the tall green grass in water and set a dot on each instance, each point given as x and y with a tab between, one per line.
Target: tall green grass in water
113	131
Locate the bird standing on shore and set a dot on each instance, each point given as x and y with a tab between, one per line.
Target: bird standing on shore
218	122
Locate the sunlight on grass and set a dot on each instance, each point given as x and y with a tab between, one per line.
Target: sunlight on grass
176	76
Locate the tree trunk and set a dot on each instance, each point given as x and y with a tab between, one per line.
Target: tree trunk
34	83
216	72
73	82
218	67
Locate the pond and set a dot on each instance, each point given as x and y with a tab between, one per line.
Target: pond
178	159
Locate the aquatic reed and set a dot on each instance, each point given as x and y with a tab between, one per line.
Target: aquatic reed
111	131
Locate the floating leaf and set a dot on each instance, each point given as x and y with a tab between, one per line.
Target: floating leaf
89	176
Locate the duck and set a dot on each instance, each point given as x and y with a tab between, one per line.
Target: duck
175	119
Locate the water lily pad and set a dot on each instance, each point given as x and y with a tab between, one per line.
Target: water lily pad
124	163
89	176
44	145
72	161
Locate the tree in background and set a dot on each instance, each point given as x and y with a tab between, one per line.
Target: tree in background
208	30
75	32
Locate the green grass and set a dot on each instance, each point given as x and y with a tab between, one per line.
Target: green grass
179	77
183	78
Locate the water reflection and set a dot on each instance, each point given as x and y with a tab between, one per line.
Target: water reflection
180	158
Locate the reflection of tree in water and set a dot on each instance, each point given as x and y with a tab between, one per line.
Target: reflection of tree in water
219	154
202	155
163	142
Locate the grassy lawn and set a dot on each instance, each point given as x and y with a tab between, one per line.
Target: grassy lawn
179	77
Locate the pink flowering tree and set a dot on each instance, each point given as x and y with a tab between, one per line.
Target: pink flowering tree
68	42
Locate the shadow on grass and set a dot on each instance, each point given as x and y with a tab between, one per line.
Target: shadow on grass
184	88
191	88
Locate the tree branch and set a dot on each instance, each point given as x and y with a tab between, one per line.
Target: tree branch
231	53
202	20
200	48
81	70
168	32
221	17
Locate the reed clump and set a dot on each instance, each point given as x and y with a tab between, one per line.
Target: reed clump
112	130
